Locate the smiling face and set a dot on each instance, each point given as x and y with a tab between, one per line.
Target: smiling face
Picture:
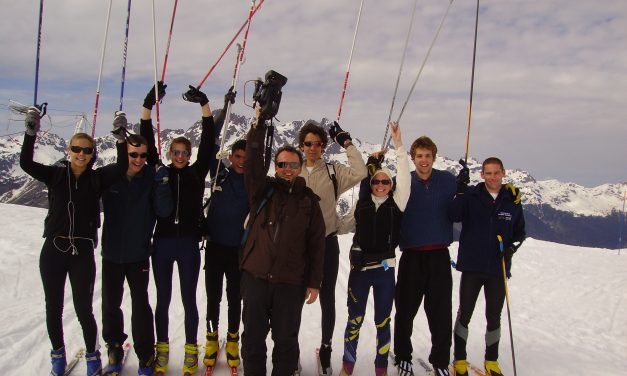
179	154
136	159
287	165
423	160
380	184
312	147
237	159
493	175
79	159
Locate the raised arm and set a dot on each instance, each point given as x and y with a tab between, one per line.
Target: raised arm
255	169
207	146
348	176
37	170
403	177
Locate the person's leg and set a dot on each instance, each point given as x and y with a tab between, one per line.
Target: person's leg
469	288
494	291
53	270
214	274
256	319
112	292
285	315
408	296
233	296
357	299
188	262
82	275
138	277
327	291
438	306
162	269
383	293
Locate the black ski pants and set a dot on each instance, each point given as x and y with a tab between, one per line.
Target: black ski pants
222	261
327	291
424	274
270	306
60	259
137	274
494	292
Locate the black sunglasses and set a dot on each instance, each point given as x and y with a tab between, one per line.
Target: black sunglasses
177	152
292	165
78	149
382	181
135	154
312	143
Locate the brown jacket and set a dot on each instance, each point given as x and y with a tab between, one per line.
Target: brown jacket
286	240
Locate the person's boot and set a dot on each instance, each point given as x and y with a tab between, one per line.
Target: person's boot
59	361
190	364
115	355
461	367
492	368
232	349
211	349
146	366
163	355
94	365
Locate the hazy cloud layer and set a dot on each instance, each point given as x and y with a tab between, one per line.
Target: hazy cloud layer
550	92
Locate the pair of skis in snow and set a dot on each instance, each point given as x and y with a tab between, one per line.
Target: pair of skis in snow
235	371
80	354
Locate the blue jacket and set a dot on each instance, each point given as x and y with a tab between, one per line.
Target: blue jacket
131	207
227	211
483	218
425	219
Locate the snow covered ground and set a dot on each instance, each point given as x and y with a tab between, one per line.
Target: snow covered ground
568	305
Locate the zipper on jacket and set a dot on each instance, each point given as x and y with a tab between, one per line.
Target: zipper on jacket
178	194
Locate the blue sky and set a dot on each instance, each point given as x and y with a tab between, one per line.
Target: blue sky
550	88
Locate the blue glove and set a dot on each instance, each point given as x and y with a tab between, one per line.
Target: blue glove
162	174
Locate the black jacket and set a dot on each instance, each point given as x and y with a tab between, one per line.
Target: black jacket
73	204
377	231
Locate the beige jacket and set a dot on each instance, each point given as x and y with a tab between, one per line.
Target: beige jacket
322	185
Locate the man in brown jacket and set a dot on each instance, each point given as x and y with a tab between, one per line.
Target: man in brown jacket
282	259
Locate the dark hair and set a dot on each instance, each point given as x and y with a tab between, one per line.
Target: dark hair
238	145
289	149
314	127
423	142
135	139
492	160
184	141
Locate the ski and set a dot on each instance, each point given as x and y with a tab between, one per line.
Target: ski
321	371
108	371
221	345
80	354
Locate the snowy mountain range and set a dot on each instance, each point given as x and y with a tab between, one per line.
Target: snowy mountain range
555	211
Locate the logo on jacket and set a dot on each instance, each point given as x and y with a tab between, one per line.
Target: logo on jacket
504	216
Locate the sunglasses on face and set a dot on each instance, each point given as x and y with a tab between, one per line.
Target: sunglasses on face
135	154
177	152
382	181
312	143
292	165
78	149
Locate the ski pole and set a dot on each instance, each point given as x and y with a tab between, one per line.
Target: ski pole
424	61
350	58
38	51
167	48
472	84
238	64
154	55
128	22
509	317
229	45
102	56
398	77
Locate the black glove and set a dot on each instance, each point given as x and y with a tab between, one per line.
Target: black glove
32	120
229	97
338	134
514	191
374	163
463	178
149	101
195	96
509	252
119	125
162	174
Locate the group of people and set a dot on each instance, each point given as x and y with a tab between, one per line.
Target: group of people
275	241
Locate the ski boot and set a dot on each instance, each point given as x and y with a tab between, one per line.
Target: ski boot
146	368
232	349
381	371
57	357
347	369
324	356
404	368
94	365
163	355
115	354
211	349
440	371
492	368
461	367
190	364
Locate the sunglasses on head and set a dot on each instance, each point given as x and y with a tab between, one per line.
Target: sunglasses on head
135	154
382	181
292	165
78	149
177	152
312	143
